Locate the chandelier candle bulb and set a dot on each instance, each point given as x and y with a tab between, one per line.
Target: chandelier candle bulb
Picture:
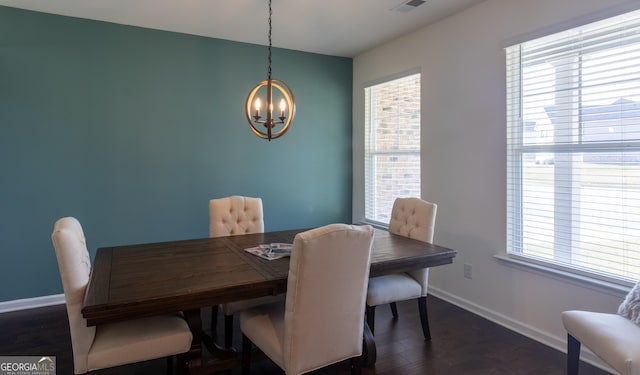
258	105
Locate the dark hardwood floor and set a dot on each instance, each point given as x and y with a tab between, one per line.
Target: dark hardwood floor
462	343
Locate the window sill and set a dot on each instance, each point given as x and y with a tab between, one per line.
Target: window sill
375	224
615	289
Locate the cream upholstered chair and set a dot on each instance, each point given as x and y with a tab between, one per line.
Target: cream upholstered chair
613	338
321	322
114	344
230	216
235	215
413	218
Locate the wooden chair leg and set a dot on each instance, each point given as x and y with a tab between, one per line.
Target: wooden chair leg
424	317
371	317
246	355
181	366
369	352
228	331
214	321
573	355
394	310
170	365
356	366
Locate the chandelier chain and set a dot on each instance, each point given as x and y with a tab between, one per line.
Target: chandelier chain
270	13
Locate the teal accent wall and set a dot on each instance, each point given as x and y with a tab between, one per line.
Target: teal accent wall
133	130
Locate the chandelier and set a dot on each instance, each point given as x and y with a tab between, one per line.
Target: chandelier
275	90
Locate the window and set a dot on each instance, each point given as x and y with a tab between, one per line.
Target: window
573	149
392	145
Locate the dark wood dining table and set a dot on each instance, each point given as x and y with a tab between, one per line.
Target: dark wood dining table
134	281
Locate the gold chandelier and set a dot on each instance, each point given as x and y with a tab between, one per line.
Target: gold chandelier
270	127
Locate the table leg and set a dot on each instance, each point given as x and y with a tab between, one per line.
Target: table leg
369	353
220	359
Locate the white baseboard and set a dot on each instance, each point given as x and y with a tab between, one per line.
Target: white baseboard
555	342
31	303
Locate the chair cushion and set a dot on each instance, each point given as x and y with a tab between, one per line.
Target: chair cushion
235	307
264	326
630	307
139	340
392	288
611	337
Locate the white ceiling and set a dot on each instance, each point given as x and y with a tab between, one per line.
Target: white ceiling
332	27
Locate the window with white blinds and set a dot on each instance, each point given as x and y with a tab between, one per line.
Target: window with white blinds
573	149
392	145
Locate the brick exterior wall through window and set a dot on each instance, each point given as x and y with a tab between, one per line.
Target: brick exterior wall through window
392	145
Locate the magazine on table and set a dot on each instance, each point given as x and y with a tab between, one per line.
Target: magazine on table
271	251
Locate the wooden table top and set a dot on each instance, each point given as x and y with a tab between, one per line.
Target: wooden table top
150	279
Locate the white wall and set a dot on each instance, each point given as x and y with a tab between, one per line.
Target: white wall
464	156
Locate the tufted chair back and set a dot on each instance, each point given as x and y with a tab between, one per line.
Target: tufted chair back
75	266
235	215
414	218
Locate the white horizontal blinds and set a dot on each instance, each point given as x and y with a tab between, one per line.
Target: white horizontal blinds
573	133
392	144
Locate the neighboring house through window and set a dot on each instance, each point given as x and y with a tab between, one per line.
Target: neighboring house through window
573	150
392	145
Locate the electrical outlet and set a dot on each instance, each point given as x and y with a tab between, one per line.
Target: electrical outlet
468	271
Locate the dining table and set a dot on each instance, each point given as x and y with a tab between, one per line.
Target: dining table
140	280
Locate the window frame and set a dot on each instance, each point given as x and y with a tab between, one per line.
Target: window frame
515	170
368	156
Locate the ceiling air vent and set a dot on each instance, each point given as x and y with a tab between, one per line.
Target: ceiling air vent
407	6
